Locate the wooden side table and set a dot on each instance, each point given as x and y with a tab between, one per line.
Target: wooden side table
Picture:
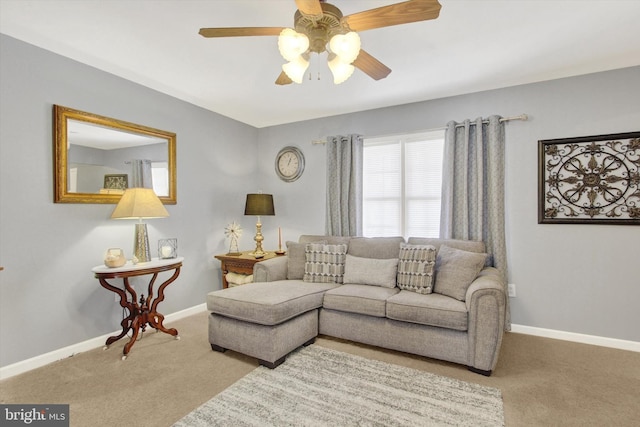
242	264
144	311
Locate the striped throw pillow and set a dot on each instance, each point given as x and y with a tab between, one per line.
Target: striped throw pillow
415	268
324	263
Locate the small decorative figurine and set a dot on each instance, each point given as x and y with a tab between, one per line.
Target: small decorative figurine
233	231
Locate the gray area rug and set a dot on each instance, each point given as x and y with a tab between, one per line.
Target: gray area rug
317	386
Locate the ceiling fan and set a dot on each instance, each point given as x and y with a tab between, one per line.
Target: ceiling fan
320	27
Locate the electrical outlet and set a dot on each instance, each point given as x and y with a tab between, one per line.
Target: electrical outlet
512	290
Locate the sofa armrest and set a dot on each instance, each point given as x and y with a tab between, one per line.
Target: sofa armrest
271	270
489	278
486	305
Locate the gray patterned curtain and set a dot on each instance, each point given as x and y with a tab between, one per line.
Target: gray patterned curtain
344	185
473	188
141	174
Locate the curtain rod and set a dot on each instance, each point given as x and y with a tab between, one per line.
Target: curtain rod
523	117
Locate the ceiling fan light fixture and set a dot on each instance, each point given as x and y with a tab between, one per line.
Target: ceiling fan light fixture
292	44
295	69
341	70
346	46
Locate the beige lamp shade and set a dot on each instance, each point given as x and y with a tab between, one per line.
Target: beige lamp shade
139	203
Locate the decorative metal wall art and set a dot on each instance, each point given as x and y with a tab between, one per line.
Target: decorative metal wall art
589	180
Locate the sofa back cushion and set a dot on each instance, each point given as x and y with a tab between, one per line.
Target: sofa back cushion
465	245
324	263
370	271
331	240
375	247
296	259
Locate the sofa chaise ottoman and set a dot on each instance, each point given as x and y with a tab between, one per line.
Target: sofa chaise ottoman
265	322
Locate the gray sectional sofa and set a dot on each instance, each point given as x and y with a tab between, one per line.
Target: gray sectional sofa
431	297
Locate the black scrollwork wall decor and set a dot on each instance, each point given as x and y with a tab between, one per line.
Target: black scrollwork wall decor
589	180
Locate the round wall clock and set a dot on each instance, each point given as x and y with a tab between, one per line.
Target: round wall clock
289	164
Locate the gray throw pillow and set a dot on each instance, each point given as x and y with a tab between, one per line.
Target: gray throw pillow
455	270
296	259
370	271
415	268
324	263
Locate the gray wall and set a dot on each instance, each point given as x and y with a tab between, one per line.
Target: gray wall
574	278
49	298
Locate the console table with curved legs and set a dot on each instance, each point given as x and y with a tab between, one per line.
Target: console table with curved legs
145	310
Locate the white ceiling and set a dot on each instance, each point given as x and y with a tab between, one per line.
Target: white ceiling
474	45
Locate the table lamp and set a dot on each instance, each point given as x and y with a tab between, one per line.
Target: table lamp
139	203
259	204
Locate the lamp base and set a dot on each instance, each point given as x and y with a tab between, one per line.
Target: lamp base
257	255
259	252
141	252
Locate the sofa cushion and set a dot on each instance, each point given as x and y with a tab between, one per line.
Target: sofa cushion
375	247
331	240
465	245
455	270
268	303
296	259
433	310
324	263
370	271
361	299
415	268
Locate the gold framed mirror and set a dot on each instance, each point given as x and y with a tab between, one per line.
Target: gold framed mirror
97	158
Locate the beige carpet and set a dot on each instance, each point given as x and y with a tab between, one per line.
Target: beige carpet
544	382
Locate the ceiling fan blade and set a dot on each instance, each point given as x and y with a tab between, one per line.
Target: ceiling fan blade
240	31
283	79
371	66
309	7
394	14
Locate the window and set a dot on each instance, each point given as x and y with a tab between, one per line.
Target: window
402	183
160	178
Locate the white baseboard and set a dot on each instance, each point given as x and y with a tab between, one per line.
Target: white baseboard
580	338
63	353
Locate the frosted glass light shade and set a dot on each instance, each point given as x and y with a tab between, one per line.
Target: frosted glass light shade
341	71
296	68
292	44
346	46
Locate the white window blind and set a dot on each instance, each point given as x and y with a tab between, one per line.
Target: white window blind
402	185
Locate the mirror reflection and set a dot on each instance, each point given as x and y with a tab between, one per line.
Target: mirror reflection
97	158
